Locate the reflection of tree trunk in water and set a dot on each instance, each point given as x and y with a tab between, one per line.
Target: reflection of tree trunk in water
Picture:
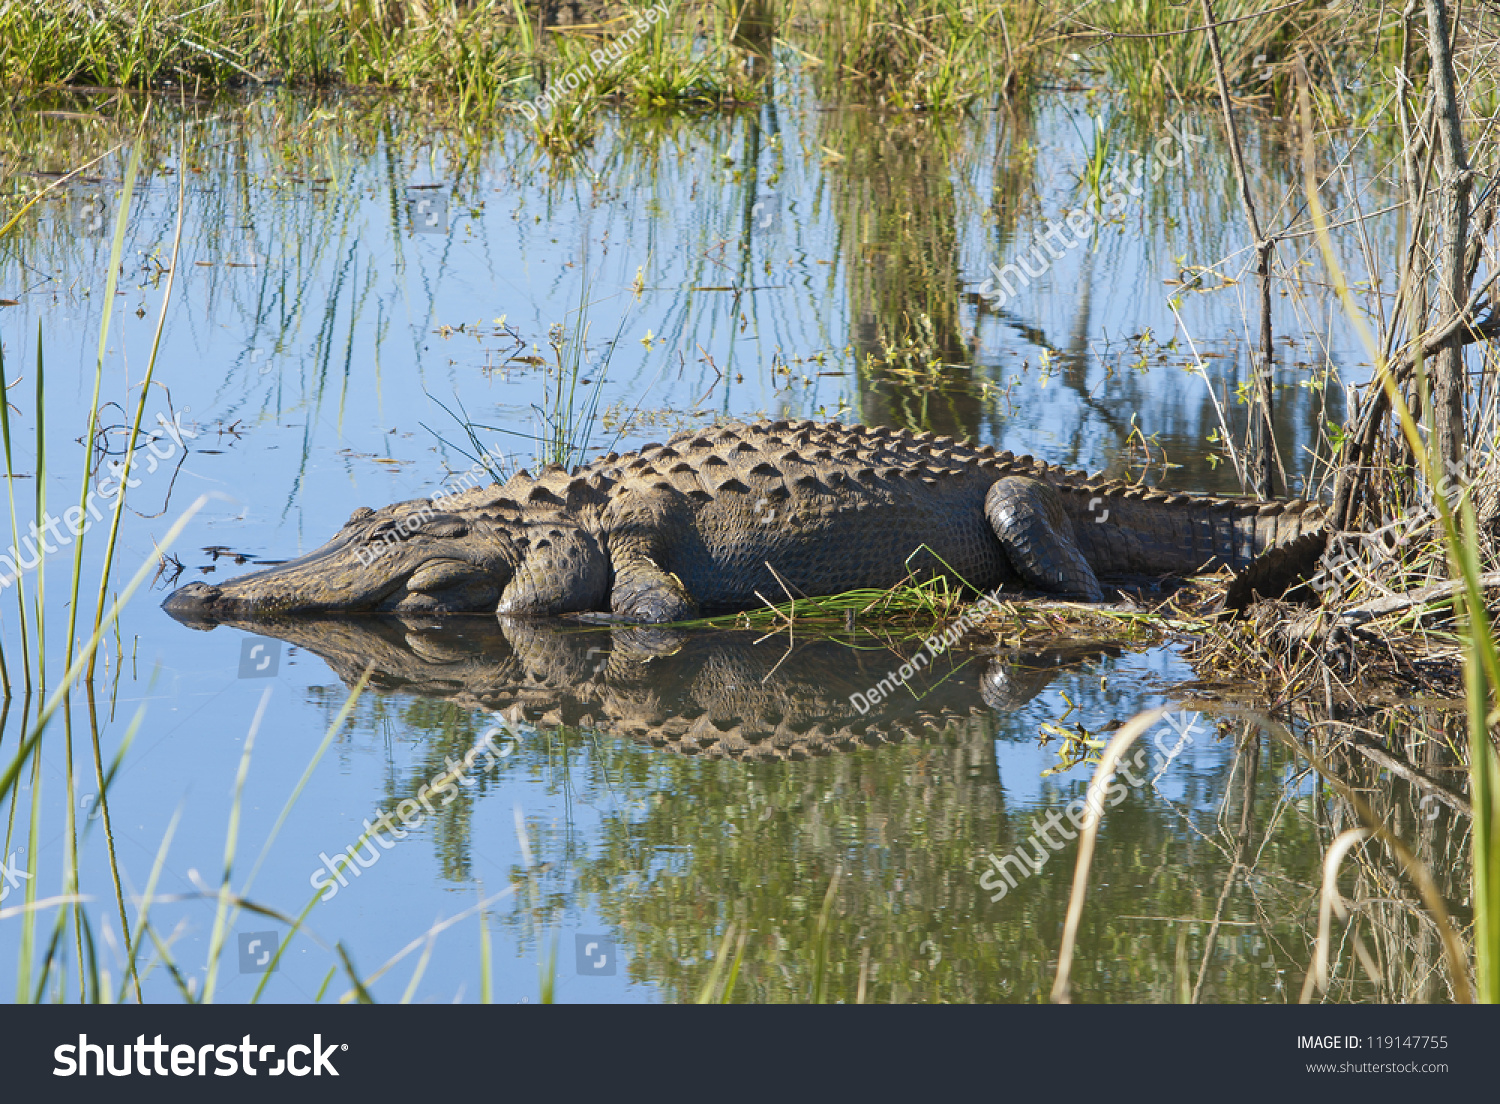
1436	762
899	245
1074	364
1075	369
1248	757
1075	361
756	32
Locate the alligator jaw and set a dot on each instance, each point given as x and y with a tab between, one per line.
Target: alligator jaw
328	580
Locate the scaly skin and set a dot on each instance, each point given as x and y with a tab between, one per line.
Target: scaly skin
718	519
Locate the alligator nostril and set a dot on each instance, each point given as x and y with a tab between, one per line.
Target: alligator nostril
198	592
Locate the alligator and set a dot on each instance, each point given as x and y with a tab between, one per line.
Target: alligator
708	694
740	514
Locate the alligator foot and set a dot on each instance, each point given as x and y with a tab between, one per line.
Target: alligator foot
646	592
652	602
1034	529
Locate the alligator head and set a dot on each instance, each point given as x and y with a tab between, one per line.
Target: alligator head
410	556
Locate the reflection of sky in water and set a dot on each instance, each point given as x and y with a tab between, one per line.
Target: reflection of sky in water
311	338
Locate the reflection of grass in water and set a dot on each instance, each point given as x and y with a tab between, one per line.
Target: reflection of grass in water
763	842
48	976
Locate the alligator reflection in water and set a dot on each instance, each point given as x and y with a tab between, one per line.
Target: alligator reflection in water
716	694
1205	890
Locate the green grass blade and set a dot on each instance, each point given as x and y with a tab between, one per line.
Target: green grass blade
116	250
486	978
140	409
231	843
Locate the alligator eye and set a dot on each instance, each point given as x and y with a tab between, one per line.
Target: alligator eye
446	525
359	515
428	525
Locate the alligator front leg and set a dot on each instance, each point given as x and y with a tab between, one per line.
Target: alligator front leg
1034	529
644	590
563	570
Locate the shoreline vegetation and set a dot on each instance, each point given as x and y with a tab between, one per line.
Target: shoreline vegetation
477	57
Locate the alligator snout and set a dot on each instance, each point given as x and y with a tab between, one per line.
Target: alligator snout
194	604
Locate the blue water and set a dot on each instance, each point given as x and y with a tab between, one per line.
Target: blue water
345	274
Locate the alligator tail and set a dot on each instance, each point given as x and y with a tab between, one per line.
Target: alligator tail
1275	572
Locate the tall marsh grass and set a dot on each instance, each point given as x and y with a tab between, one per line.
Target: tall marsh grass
473	57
